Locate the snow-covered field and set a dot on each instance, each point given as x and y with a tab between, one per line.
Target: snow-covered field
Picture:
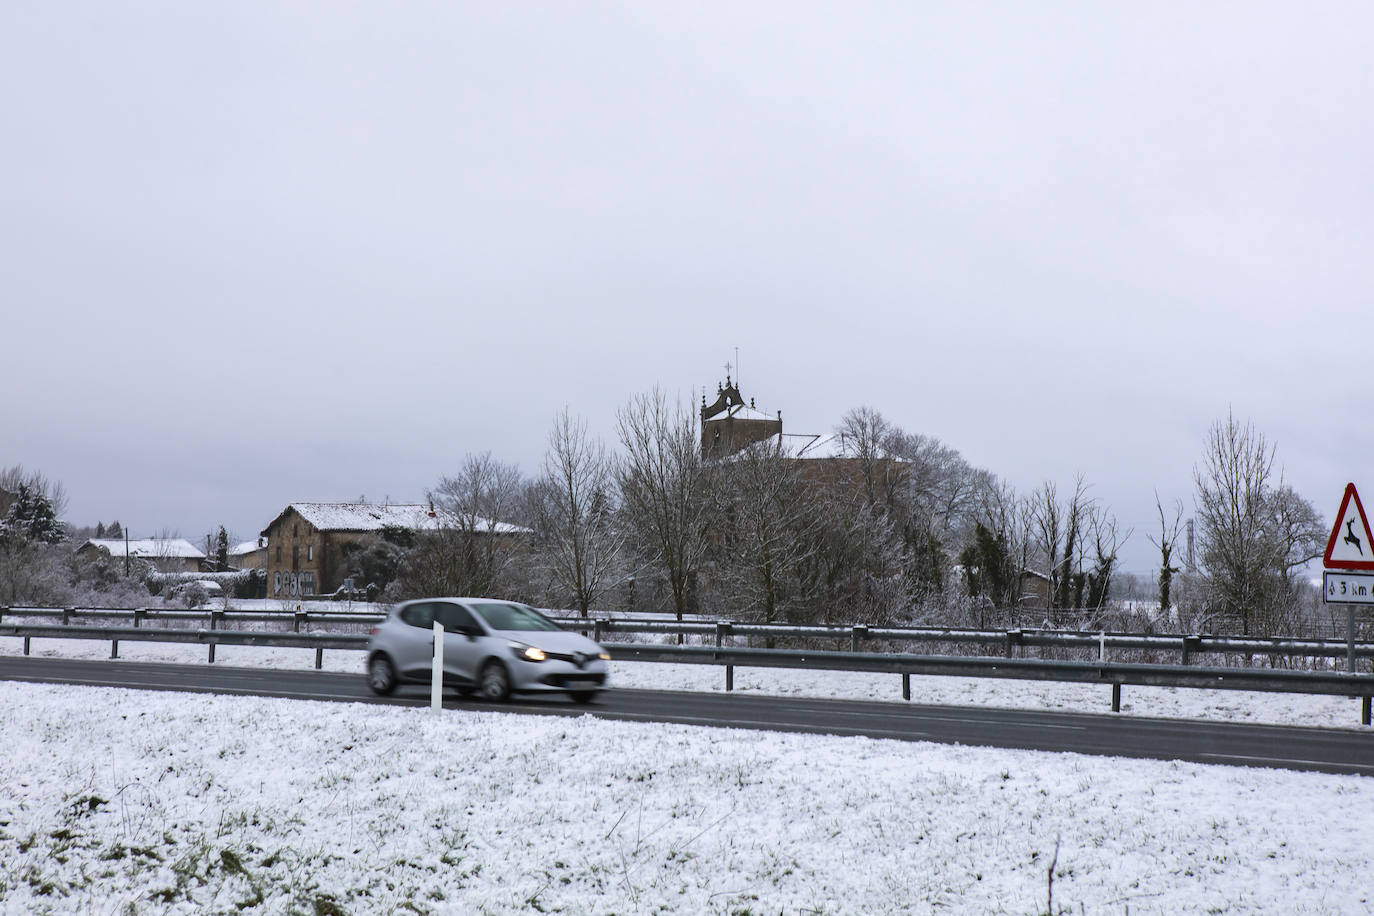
1156	702
145	802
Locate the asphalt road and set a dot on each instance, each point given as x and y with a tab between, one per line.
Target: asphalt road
1318	749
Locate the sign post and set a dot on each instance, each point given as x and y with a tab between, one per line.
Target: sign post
436	682
1349	550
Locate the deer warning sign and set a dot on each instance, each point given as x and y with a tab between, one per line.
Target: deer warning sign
1351	545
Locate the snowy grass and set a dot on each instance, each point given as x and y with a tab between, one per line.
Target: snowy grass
1155	702
144	802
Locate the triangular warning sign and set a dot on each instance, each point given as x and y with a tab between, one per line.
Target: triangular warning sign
1351	545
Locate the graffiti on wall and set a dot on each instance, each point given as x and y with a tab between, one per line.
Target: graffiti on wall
293	584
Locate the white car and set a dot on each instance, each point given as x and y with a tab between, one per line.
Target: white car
491	647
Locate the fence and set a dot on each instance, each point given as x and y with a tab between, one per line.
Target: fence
1101	672
1008	643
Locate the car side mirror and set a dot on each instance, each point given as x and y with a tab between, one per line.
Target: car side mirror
470	633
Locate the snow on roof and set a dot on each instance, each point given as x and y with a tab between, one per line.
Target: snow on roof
741	412
239	550
806	445
362	516
370	517
151	548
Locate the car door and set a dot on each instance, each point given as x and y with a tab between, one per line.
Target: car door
414	646
463	644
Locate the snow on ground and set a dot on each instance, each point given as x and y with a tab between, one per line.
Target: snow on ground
147	802
1155	702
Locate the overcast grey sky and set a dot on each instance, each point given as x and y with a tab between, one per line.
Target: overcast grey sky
254	253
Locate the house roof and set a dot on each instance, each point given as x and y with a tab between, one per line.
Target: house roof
806	445
246	547
370	517
358	516
148	548
740	412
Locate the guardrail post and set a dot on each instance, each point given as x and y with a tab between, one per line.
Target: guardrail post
1350	641
67	615
1191	644
114	648
1116	698
27	641
299	619
1013	639
212	654
722	629
729	678
859	632
596	630
1364	710
319	659
216	617
906	685
139	614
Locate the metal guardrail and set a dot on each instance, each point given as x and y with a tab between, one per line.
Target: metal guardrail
1116	674
215	618
1008	642
211	638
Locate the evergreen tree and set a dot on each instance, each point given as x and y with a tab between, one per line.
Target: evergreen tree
222	550
32	518
114	531
100	529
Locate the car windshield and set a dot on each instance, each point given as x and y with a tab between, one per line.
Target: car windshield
513	617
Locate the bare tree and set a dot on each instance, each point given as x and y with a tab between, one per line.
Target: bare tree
1107	540
472	546
767	528
1166	544
1255	530
864	437
664	488
854	570
1060	529
574	513
940	485
997	553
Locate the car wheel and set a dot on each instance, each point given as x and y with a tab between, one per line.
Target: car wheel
495	681
381	675
582	696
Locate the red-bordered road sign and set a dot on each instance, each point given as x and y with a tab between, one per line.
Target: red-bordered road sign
1351	545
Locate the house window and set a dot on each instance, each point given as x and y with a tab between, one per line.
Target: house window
310	552
278	553
295	557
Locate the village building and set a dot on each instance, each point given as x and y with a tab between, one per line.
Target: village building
167	555
308	543
249	555
729	425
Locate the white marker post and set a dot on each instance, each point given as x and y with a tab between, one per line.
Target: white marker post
436	683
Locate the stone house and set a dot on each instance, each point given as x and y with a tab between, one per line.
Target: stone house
249	554
168	555
306	544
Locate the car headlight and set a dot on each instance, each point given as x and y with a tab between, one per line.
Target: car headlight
527	653
605	656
